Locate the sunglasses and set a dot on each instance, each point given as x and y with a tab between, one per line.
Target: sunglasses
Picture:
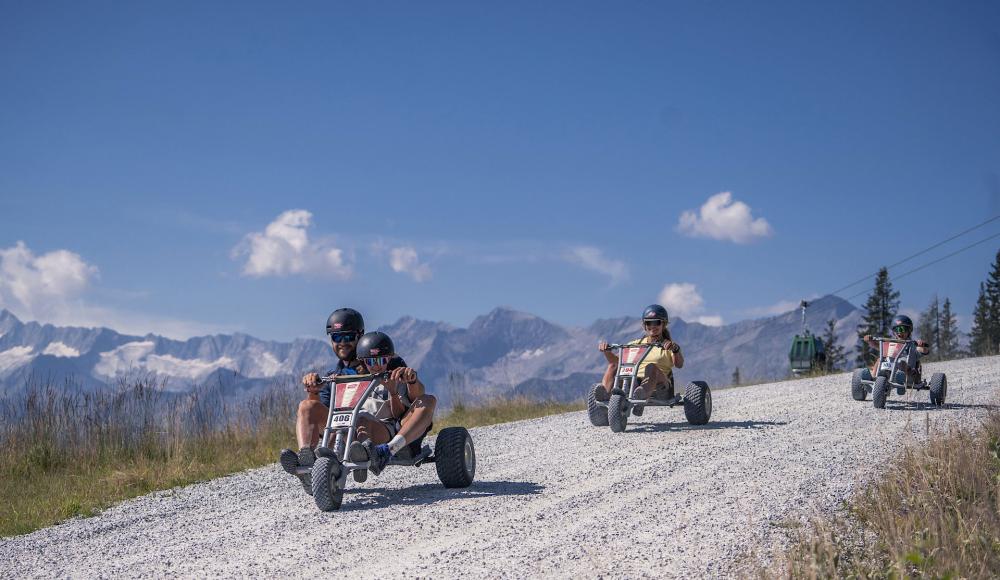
654	322
342	337
901	329
376	361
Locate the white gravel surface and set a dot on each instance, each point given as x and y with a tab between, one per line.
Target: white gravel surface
553	497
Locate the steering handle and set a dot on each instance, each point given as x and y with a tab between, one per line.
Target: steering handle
613	346
331	378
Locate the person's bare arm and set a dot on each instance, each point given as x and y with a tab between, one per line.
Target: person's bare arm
414	387
311	383
608	353
675	352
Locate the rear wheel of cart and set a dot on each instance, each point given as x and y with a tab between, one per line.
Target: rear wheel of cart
455	457
597	412
697	403
939	389
859	390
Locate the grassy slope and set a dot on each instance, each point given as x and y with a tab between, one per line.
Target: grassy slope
64	454
936	514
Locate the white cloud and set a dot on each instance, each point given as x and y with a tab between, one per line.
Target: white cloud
53	288
683	300
39	287
284	249
405	260
593	259
721	218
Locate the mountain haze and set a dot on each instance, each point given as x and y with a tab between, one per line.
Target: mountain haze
500	353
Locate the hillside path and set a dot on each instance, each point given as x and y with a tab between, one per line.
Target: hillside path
554	497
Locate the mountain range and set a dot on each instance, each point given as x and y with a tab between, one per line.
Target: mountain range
502	353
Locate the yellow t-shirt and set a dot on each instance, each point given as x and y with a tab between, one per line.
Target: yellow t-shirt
658	355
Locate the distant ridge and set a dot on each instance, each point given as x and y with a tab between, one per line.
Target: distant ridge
501	353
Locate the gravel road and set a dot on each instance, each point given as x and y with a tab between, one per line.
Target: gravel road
553	497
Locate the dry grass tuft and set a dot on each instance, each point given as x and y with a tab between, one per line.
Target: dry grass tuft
66	453
502	411
934	514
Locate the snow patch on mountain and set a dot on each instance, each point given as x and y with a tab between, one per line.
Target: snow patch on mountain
530	354
193	369
15	357
61	350
139	355
268	365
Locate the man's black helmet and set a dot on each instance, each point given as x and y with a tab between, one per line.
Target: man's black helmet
902	320
375	344
655	312
345	320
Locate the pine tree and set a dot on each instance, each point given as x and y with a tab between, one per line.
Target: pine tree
880	307
835	354
980	342
736	377
950	347
929	328
993	302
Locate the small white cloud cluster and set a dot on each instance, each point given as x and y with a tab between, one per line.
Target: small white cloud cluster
284	248
593	259
54	286
40	287
721	218
683	300
405	261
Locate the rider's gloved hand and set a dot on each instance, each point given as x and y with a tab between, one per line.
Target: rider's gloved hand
602	345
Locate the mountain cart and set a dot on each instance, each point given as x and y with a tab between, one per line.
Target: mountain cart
453	455
896	358
614	413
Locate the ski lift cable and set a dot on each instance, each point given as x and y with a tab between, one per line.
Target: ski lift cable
921	252
931	263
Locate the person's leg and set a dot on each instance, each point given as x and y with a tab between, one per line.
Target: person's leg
418	418
609	376
371	428
310	422
653	377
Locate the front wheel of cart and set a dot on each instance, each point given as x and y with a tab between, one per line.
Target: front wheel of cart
880	390
325	484
618	413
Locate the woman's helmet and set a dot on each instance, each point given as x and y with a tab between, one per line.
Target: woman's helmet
375	344
902	326
344	320
655	312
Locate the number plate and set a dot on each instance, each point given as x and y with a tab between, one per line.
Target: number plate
342	420
627	370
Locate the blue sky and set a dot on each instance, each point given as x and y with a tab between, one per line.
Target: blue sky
440	159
